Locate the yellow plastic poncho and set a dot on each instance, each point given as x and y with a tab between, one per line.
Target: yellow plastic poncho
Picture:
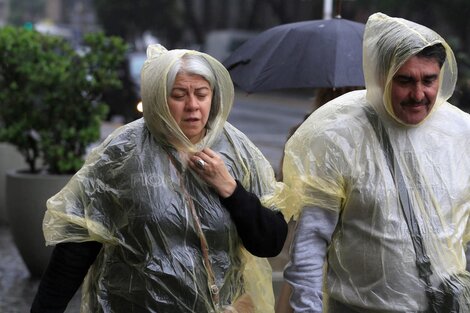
335	162
134	195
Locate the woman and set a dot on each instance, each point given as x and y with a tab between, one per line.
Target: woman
161	213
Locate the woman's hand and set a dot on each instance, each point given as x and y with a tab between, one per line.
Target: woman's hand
211	168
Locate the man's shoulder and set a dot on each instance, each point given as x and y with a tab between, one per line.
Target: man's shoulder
452	117
343	112
337	122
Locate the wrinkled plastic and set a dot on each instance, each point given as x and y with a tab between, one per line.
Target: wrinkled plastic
334	161
134	195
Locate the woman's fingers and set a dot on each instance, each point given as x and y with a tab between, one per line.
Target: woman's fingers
211	167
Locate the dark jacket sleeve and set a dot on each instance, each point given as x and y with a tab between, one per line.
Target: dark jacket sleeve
262	231
65	272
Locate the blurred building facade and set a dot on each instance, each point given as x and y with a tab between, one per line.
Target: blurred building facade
4	11
79	14
76	16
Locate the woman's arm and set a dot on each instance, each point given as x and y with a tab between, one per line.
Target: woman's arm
263	231
65	272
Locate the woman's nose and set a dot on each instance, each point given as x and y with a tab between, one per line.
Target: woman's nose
191	103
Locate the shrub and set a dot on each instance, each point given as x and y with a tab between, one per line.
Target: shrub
51	103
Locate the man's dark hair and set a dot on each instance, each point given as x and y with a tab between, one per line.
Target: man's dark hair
437	52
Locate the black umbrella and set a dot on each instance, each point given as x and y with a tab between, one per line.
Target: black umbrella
309	54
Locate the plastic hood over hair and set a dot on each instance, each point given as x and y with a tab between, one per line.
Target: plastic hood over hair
388	43
157	115
335	161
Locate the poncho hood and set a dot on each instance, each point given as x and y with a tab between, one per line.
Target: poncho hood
388	43
157	115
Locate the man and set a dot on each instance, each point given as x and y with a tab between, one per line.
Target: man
352	189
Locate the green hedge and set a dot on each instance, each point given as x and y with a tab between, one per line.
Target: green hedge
51	103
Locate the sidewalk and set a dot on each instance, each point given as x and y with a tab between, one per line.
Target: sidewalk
17	289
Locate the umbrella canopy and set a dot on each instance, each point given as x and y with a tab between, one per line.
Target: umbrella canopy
316	53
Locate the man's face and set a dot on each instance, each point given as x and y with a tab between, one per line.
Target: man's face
414	89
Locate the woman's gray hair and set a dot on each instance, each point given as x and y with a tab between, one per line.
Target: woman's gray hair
193	64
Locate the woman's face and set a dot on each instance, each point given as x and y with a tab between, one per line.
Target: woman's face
190	103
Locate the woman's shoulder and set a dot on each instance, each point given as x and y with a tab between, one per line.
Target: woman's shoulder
236	137
128	135
122	141
233	131
236	142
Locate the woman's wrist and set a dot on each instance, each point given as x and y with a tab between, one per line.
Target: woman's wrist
226	190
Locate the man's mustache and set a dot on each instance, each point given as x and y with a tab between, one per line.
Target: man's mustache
411	102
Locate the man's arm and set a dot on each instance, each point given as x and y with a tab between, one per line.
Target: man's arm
304	272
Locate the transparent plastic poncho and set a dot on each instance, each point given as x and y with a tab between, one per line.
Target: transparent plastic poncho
335	162
134	194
